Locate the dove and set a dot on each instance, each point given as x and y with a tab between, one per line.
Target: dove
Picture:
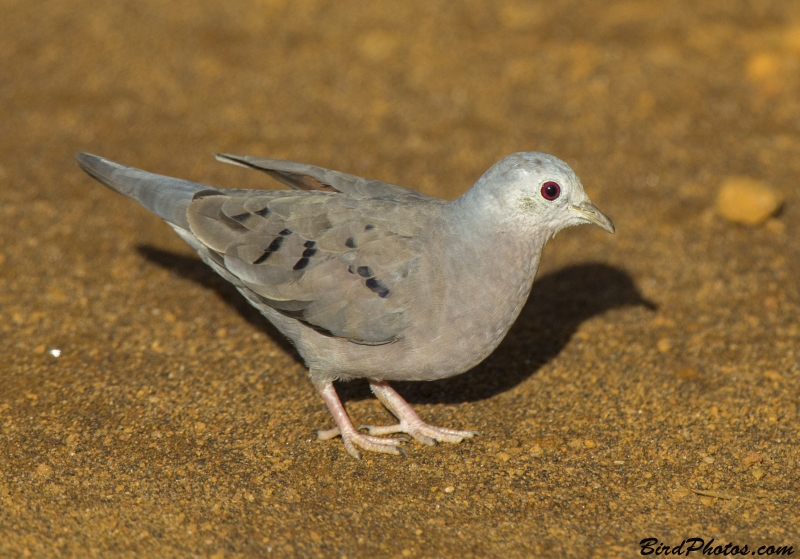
372	280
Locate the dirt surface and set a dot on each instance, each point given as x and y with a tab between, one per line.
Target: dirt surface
649	389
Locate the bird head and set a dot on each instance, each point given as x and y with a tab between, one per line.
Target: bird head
536	190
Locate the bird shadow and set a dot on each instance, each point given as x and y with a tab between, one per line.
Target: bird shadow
194	269
559	302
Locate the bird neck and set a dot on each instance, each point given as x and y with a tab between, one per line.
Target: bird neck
492	228
492	270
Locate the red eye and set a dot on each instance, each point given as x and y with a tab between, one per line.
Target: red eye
551	190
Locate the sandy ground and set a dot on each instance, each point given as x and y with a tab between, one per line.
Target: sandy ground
650	388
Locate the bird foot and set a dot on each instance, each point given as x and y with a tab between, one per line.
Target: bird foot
409	422
422	432
353	439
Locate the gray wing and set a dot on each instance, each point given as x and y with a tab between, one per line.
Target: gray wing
343	266
300	176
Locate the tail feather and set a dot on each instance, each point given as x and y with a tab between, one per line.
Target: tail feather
165	196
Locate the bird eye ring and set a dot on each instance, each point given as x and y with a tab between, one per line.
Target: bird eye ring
551	190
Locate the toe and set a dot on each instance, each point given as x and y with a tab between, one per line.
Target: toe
440	434
382	429
372	444
328	434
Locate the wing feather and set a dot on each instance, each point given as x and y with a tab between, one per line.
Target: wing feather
301	176
342	265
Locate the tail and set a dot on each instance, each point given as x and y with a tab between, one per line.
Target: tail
164	196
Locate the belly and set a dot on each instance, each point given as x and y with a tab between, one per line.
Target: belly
436	345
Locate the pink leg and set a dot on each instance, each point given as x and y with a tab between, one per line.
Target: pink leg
410	422
350	435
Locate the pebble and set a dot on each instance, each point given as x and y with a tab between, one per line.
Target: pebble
44	470
687	373
747	201
752	458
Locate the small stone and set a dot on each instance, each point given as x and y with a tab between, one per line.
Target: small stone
747	201
765	70
43	470
758	473
377	46
763	66
449	489
663	345
687	373
680	493
752	458
589	443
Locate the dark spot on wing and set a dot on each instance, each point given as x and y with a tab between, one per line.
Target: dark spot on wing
206	194
369	228
273	246
285	232
263	257
241	218
364	271
263	212
378	287
350	242
303	262
311	249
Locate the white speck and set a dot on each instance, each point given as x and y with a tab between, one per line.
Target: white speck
54	352
652	180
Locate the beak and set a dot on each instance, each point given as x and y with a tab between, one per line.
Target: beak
591	214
